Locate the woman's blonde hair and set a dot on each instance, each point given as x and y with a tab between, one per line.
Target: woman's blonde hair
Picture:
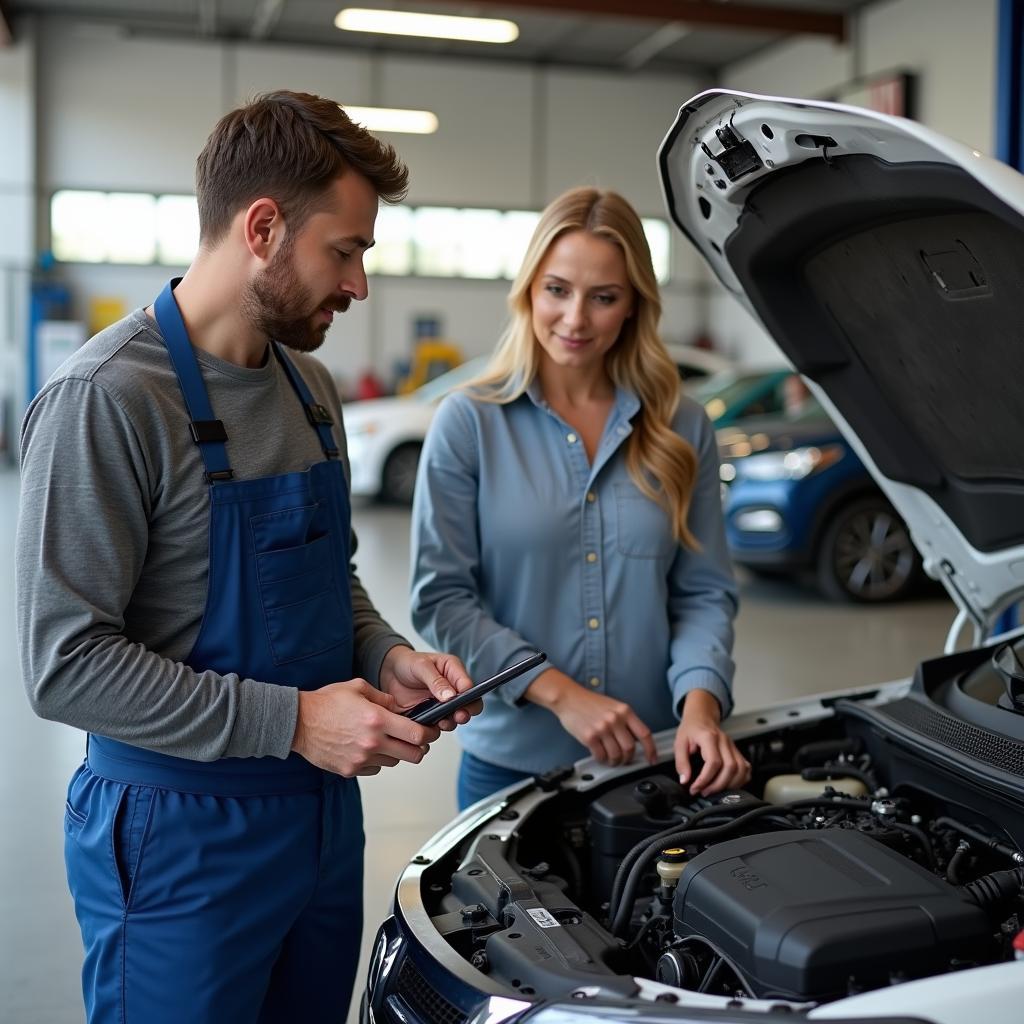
660	462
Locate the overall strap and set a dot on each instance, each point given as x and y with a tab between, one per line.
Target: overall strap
316	413
206	431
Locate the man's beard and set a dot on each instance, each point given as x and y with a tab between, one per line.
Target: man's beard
279	306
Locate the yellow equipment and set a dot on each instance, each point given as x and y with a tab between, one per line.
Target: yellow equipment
430	358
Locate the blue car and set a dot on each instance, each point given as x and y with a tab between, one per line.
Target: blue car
797	498
741	393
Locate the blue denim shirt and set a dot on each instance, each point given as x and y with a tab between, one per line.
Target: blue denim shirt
521	544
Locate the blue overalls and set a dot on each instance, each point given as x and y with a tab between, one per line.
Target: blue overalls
231	891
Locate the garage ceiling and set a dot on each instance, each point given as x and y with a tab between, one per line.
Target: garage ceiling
696	36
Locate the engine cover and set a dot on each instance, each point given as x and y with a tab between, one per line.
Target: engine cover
810	914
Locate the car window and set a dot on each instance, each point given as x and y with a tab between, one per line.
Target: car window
719	396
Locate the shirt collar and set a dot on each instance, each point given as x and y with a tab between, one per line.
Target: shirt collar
627	404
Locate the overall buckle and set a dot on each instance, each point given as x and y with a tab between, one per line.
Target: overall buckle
207	431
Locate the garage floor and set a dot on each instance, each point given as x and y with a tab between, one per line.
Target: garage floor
789	643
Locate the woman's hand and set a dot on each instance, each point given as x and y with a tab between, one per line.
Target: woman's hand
608	728
700	732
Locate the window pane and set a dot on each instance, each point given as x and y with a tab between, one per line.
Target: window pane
517	230
436	241
393	234
433	241
659	240
130	228
177	230
77	222
482	252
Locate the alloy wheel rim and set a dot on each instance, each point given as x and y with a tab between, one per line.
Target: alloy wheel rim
874	556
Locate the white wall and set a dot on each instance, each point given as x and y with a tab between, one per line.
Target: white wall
133	114
17	218
950	45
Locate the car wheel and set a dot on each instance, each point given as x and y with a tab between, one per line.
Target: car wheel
398	479
866	554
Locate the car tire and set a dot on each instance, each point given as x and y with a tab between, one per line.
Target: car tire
398	478
866	554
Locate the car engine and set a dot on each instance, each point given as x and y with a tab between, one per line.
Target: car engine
846	865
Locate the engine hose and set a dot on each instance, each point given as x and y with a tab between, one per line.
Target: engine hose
953	867
621	910
620	906
630	858
922	840
990	892
979	837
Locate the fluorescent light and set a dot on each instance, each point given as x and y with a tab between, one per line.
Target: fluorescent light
433	26
393	119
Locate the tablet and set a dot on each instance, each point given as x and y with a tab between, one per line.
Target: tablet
430	712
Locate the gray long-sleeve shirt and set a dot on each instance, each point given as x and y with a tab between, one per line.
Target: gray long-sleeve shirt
112	547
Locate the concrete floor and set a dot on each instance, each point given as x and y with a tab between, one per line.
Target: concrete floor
789	643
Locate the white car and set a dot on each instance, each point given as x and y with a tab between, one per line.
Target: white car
873	869
385	435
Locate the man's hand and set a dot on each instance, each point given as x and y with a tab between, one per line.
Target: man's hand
414	676
352	729
608	728
700	731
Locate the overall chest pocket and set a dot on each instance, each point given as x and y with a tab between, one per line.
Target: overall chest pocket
298	569
642	527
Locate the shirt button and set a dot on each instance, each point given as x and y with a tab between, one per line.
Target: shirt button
591	497
593	623
571	438
594	681
591	556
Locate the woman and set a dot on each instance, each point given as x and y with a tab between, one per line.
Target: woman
568	501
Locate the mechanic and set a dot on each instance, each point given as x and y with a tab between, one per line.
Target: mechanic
185	595
568	501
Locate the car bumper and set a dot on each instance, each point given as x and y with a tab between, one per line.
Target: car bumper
764	527
407	985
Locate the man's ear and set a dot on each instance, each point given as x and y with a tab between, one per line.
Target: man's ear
262	225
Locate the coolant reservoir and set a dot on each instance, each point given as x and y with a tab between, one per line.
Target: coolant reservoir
670	866
781	789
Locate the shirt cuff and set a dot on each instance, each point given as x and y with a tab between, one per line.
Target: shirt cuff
701	679
265	723
371	658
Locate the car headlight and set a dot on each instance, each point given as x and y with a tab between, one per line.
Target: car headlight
790	465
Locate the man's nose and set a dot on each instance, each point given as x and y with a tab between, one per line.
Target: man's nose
355	283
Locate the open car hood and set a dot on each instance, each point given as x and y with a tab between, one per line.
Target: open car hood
887	261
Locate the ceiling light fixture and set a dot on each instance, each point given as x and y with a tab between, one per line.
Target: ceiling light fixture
393	119
431	26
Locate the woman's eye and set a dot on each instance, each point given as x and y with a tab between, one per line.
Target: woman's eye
605	300
556	289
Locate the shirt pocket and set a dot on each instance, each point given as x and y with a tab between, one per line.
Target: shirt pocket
298	575
642	528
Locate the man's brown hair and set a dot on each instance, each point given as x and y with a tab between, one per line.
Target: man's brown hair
288	146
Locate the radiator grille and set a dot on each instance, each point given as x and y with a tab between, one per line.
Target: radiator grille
424	1000
989	748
